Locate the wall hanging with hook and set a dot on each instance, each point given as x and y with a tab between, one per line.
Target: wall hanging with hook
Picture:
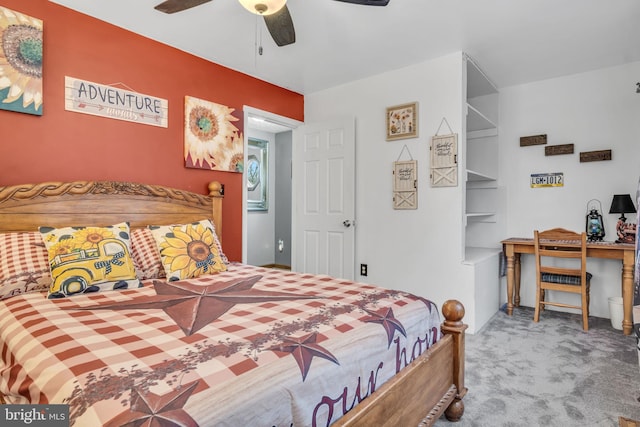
405	182
444	158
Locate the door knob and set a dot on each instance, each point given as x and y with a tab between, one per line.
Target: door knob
346	223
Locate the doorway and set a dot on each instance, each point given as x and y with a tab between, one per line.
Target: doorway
266	230
321	228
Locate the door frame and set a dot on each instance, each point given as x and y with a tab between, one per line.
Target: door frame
281	120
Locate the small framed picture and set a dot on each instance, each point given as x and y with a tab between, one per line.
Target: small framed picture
402	121
257	175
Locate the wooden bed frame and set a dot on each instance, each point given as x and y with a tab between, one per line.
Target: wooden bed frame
431	385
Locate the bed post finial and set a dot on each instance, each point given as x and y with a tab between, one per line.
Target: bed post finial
215	189
453	312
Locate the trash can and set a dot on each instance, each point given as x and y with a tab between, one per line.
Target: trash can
616	312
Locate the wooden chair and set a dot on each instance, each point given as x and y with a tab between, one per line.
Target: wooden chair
561	243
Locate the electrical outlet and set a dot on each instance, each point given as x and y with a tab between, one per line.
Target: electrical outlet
363	269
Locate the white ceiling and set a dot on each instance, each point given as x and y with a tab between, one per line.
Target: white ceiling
514	41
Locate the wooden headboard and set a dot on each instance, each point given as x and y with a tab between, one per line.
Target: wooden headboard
101	203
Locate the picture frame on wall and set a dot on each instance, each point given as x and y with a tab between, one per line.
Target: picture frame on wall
257	175
211	139
21	71
402	121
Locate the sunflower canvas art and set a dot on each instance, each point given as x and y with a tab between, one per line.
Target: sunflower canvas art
20	62
211	140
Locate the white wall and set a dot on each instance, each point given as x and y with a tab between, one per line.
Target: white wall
597	110
419	251
282	207
260	224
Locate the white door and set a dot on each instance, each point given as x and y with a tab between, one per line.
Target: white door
323	235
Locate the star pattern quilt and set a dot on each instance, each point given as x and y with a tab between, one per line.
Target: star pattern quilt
248	346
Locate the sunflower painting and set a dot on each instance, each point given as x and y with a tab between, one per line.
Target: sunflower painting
211	140
20	62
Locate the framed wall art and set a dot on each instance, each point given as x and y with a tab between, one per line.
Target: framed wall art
20	62
258	175
402	121
211	140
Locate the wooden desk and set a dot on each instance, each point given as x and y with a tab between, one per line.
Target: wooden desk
625	252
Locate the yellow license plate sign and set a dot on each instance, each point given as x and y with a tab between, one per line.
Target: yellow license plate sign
555	179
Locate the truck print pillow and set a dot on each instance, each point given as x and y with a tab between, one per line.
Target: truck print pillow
89	259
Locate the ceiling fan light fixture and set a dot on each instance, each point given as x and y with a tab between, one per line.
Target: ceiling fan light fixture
263	7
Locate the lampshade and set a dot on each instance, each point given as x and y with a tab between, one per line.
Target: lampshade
263	7
622	204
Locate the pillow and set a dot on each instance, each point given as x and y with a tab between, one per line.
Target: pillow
188	250
208	223
146	258
89	259
24	264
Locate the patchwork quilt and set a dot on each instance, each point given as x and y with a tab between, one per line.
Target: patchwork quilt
247	346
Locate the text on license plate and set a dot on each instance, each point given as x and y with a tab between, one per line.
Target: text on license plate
555	179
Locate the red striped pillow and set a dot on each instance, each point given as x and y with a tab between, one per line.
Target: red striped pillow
146	257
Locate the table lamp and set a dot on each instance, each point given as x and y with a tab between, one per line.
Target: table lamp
622	204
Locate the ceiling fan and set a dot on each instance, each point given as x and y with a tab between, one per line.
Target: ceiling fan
275	13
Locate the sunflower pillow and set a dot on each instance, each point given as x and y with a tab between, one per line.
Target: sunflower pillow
188	250
89	259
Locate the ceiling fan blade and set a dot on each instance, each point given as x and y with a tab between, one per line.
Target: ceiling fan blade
173	6
367	2
280	26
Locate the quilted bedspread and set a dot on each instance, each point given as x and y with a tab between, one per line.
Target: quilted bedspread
250	346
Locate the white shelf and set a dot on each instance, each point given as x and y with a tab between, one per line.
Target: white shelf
479	134
481	216
474	176
474	255
482	185
476	121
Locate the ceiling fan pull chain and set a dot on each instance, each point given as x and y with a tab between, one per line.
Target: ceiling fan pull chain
255	43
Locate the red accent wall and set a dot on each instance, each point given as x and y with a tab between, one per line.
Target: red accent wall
63	146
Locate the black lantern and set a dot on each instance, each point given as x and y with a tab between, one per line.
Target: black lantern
595	225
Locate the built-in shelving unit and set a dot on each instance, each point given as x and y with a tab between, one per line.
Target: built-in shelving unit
483	197
481	165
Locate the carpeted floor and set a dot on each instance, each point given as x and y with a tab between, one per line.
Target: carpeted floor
551	373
